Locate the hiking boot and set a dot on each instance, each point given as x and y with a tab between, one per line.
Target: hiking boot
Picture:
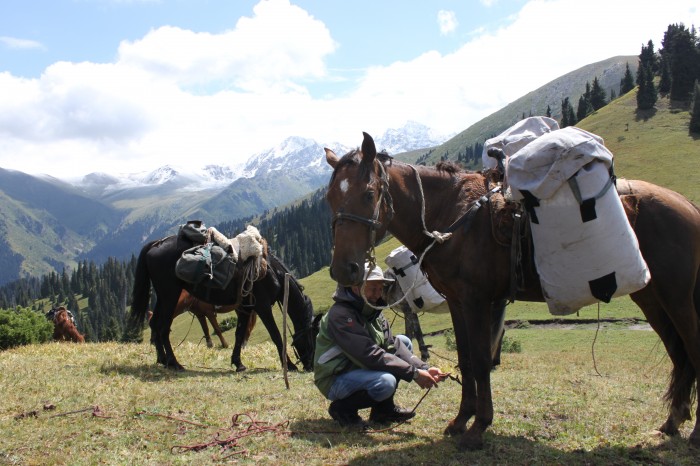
385	412
345	411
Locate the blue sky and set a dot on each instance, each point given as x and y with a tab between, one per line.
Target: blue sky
130	85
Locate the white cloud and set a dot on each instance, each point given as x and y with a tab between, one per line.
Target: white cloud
447	21
15	43
183	97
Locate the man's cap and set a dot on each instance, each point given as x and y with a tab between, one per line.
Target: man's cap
376	274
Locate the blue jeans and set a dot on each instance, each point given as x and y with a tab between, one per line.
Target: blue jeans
379	385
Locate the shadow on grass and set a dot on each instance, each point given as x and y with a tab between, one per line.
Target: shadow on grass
155	372
518	450
328	433
644	115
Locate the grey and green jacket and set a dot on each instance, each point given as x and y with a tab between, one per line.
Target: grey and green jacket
355	336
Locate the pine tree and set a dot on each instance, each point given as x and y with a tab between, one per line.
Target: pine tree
683	64
694	126
584	108
565	113
665	81
548	113
646	94
597	97
627	82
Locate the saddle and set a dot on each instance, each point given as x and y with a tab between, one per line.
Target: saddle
214	259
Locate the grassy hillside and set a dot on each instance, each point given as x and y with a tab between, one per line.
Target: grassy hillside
571	85
653	146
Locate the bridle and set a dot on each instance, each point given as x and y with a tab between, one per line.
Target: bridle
373	223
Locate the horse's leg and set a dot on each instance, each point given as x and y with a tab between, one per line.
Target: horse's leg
164	310
154	323
205	328
478	319
241	329
498	318
418	335
679	332
217	329
467	406
474	323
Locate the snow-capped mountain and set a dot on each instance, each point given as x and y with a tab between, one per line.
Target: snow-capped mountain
294	154
411	136
178	178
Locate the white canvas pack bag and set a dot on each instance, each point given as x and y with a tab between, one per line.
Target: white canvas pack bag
404	264
585	248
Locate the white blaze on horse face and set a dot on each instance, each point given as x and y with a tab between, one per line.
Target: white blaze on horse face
344	186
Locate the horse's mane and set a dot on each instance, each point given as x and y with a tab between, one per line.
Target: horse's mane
449	166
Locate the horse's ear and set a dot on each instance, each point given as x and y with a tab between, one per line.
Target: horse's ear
369	150
331	158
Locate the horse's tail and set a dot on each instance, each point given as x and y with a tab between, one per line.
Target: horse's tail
140	296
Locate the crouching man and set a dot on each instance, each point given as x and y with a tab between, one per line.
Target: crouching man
358	363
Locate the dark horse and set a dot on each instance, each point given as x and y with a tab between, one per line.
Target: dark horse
156	266
204	311
370	195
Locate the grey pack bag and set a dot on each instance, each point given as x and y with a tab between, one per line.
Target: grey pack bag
207	264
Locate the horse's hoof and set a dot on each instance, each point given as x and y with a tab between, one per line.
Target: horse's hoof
453	430
210	344
240	368
669	428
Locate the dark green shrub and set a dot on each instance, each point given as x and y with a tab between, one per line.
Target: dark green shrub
228	323
509	345
23	327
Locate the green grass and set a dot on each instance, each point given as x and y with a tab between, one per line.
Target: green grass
653	146
113	406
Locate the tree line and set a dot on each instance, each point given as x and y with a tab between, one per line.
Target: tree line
99	296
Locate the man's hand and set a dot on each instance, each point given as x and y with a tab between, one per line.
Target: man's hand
437	374
429	378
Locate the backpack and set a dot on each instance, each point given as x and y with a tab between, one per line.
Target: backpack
206	264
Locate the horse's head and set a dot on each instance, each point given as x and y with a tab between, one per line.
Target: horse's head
358	195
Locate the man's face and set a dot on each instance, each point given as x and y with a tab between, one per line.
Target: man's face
373	290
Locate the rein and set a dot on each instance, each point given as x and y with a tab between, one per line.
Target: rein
437	237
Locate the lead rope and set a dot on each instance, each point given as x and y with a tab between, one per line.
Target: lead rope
436	236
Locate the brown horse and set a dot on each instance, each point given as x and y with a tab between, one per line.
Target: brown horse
64	329
204	311
370	195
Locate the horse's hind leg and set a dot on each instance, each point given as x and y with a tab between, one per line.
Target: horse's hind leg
205	329
160	326
154	323
680	334
241	326
413	330
217	329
